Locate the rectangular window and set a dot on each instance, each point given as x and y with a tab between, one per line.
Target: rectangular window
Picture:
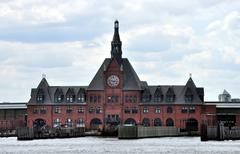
69	109
99	99
126	98
98	110
184	109
127	110
91	110
134	110
43	110
158	110
145	110
57	109
91	99
80	109
35	110
192	109
95	99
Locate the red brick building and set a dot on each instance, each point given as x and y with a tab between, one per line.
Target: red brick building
116	96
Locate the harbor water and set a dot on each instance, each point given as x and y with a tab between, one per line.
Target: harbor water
93	145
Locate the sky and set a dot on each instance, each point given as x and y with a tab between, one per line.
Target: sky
165	41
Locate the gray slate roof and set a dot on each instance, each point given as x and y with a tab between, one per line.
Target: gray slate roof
130	82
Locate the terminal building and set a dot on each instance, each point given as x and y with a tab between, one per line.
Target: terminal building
116	96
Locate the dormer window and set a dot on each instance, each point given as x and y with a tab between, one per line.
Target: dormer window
40	96
146	95
158	96
81	98
170	96
58	96
70	96
188	95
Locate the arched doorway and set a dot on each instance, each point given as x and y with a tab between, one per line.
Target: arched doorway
95	123
157	122
192	124
130	122
169	122
146	122
38	123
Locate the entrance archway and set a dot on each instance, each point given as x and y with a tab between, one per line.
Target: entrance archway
157	122
192	125
169	122
95	123
146	122
130	122
38	123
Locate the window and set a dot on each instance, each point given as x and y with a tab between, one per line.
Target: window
127	110
95	99
157	122
43	110
170	95
184	109
134	110
91	99
126	98
169	122
70	98
112	99
188	95
35	110
192	109
99	99
69	123
57	109
169	109
146	122
98	110
91	110
81	98
56	123
157	110
145	110
59	98
146	95
80	109
69	109
40	98
80	123
158	96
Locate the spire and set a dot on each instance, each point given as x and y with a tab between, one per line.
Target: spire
116	50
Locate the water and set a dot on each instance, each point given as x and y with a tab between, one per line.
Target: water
93	145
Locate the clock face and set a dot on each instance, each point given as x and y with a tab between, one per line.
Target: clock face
113	81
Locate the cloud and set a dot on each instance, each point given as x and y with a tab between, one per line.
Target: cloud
164	40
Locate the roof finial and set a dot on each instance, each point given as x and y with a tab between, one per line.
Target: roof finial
116	24
44	76
190	75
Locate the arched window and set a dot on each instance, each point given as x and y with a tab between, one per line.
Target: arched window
81	98
188	95
40	96
57	123
69	123
130	122
170	95
169	109
157	122
80	123
70	96
158	96
146	122
58	96
169	122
